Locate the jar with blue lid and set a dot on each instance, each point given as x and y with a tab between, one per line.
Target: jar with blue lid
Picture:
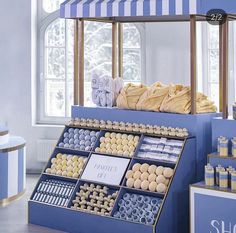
233	180
209	175
233	147
223	179
224	147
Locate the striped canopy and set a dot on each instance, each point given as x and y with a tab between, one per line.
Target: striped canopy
145	8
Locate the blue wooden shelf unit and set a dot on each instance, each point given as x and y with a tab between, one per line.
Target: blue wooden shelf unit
175	200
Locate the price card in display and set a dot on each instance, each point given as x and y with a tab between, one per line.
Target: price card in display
105	169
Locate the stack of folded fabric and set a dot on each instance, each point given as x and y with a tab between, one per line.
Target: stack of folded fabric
162	98
152	98
105	90
130	95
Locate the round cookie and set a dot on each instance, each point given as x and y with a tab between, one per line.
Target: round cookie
144	167
152	177
168	172
159	170
130	183
161	188
136	167
144	176
152	186
137	175
145	185
137	183
152	169
129	174
160	179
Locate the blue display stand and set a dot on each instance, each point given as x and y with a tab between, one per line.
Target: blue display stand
198	125
173	216
212	209
12	167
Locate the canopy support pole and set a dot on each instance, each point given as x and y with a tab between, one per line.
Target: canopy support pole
114	49
81	61
76	63
120	46
224	45
193	62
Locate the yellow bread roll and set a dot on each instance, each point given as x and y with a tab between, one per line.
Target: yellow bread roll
108	146
160	179
161	188
103	145
97	150
113	141
130	137
168	172
119	147
126	153
120	152
107	135
144	167
167	182
107	140
131	149
137	175
48	170
130	143
54	160
145	185
144	176
114	152
113	135
159	170
129	174
136	167
64	173
64	163
124	136
130	183
137	183
64	157
152	186
59	172
152	169
136	138
103	150
124	142
113	146
59	156
152	177
119	141
109	151
75	175
69	162
69	174
118	136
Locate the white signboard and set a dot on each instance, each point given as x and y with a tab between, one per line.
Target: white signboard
105	169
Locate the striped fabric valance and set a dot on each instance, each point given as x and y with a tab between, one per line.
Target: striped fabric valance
134	8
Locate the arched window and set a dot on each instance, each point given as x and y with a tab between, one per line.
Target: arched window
56	59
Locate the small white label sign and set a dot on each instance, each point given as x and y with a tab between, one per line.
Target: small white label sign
105	169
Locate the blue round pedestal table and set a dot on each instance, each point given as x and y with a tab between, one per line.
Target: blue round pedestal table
12	167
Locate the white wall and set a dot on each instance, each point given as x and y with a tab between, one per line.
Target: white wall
15	76
167	53
167	57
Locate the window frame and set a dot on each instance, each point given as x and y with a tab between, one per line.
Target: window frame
44	20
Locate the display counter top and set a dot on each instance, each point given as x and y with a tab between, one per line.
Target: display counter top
14	143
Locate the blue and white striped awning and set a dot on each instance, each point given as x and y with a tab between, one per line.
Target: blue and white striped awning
146	8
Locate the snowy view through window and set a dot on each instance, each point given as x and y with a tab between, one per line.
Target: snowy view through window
58	64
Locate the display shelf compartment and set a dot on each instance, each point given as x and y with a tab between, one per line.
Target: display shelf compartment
112	189
149	162
125	190
45	177
156	152
74	149
102	134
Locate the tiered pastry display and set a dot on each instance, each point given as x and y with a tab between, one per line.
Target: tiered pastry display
95	198
138	208
143	181
149	177
160	149
130	127
162	98
79	139
67	165
118	144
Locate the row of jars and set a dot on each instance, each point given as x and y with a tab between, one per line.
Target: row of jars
224	146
